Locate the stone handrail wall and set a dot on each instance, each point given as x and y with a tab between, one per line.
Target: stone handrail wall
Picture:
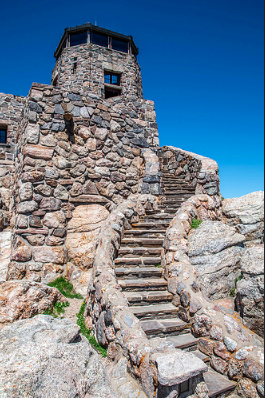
199	171
108	314
233	349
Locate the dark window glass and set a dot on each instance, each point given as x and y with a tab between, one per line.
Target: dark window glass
78	38
2	136
111	92
99	39
184	387
112	78
119	45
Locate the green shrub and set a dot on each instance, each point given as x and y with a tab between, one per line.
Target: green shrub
195	222
57	309
66	288
87	333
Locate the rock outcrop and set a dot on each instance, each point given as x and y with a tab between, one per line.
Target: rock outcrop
24	299
250	289
215	250
45	357
247	215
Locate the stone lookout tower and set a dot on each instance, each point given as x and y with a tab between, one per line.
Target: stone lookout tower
90	59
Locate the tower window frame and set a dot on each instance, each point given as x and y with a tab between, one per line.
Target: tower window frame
3	135
77	38
112	78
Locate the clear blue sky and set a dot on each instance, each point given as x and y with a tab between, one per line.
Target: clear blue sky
201	60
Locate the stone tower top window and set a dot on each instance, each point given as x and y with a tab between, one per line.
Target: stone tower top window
112	78
119	45
3	135
78	38
99	39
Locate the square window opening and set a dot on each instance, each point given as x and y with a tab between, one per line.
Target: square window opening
78	38
99	39
111	92
3	135
112	78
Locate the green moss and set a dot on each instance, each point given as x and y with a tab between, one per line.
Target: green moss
158	266
66	288
57	310
195	222
87	333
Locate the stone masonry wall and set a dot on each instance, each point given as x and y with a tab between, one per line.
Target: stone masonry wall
80	69
72	150
11	110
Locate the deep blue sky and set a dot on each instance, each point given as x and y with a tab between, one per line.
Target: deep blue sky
201	60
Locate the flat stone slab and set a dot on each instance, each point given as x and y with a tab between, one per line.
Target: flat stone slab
153	296
183	341
141	272
143	283
178	367
157	326
143	241
217	383
138	260
158	310
201	356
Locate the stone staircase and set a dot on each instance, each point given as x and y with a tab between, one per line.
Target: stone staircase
139	273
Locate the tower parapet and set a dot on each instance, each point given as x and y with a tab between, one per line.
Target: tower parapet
97	61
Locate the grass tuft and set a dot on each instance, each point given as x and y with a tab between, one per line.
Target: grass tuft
66	288
57	310
195	222
233	290
87	333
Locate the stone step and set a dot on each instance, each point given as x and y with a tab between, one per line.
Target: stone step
152	225
155	311
166	220
159	216
140	251
142	242
202	356
139	272
143	298
151	233
184	341
143	284
162	327
183	194
218	384
139	261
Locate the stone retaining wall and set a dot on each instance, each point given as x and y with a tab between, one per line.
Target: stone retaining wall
197	170
233	350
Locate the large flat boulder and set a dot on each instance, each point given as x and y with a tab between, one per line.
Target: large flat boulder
215	249
43	357
247	214
250	289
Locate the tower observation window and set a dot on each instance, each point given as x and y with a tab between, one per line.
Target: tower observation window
112	78
99	39
120	45
78	38
3	135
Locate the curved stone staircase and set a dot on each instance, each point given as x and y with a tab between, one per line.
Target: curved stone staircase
139	273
